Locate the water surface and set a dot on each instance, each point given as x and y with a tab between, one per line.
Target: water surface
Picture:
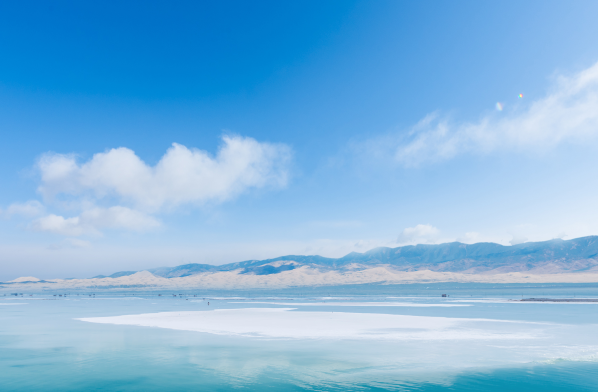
489	342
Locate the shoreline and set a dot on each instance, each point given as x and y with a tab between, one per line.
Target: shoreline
300	277
578	300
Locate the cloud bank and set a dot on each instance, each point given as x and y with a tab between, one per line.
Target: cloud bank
419	234
91	221
181	176
28	209
568	113
119	177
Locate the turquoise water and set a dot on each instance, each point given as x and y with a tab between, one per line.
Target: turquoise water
531	346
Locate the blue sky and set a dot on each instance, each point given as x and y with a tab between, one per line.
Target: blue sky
298	128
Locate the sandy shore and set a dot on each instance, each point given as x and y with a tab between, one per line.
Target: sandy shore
299	277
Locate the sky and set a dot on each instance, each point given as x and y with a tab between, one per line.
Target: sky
143	134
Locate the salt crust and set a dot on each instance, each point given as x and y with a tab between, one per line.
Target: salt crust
285	323
368	304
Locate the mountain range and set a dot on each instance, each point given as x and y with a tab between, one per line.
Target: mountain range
546	257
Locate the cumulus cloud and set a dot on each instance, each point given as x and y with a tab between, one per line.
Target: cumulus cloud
91	221
568	112
419	234
181	176
30	208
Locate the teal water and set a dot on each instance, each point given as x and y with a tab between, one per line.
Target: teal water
537	346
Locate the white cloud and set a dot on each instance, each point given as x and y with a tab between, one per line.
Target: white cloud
91	221
471	237
28	209
568	113
518	239
182	176
419	234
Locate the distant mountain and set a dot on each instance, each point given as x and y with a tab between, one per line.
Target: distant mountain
555	261
547	257
115	275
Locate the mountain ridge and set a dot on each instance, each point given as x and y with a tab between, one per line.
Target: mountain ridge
552	256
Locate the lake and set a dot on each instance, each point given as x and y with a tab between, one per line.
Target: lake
362	338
